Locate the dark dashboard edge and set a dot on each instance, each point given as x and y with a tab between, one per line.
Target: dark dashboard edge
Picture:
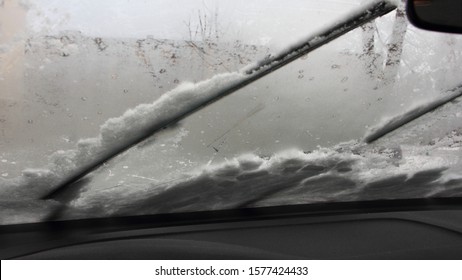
231	215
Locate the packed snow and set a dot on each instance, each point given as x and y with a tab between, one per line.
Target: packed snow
346	172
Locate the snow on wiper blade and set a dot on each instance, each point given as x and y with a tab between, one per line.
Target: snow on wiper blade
391	124
135	125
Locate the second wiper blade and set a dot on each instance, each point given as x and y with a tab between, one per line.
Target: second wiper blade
415	113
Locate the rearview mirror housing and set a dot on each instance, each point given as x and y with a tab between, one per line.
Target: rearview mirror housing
436	15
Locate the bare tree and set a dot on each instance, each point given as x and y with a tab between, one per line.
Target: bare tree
204	36
384	67
395	46
206	29
371	58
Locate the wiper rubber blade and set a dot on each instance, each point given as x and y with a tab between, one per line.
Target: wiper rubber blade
403	119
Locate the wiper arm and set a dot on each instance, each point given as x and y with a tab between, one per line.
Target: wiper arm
368	13
252	74
401	120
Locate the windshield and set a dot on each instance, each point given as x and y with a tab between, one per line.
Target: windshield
116	108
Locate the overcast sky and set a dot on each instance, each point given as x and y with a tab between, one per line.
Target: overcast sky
166	19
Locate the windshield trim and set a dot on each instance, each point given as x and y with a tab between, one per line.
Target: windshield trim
239	214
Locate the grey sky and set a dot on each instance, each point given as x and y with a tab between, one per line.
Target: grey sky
166	19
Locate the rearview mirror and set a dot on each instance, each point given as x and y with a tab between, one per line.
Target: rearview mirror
436	15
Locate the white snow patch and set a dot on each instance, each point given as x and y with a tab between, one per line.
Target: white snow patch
345	172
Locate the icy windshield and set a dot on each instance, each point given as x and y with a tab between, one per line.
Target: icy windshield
115	108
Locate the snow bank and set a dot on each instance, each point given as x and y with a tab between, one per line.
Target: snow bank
350	171
347	172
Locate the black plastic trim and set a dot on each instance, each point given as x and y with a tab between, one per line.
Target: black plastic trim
244	214
417	22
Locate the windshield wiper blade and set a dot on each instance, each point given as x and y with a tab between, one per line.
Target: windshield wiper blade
413	114
368	13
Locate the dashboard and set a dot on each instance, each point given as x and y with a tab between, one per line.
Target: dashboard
401	229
